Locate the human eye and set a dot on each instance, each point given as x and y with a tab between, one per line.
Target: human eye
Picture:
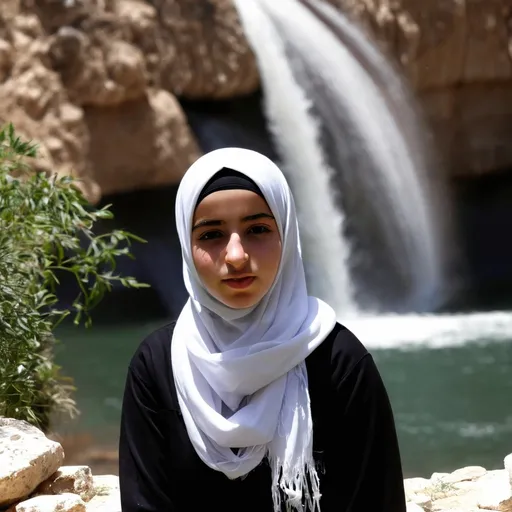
210	235
259	230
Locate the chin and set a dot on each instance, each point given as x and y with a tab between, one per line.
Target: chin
239	302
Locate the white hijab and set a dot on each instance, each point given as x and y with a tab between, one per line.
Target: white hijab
240	374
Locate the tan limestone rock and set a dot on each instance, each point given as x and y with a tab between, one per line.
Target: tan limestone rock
464	474
105	484
494	490
27	458
508	467
101	72
486	492
66	71
416	485
69	479
438	476
34	100
59	503
110	54
422	500
441	44
195	49
143	143
413	507
506	506
107	497
211	57
457	55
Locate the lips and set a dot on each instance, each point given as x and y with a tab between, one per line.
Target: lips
239	283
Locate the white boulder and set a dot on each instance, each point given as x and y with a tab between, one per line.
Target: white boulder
508	467
73	479
66	502
27	458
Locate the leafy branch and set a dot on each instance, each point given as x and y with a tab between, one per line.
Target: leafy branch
46	228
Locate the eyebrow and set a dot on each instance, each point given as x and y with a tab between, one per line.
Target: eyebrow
249	218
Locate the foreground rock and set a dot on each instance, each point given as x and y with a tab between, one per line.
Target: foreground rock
70	479
32	478
64	502
469	489
27	458
106	497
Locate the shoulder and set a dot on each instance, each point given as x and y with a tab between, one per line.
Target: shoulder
153	352
346	345
340	355
346	350
150	374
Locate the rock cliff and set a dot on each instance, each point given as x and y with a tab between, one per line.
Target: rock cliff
458	57
96	82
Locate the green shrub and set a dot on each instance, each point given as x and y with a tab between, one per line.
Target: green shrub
46	228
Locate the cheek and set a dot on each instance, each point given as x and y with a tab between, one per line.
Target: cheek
203	261
269	255
276	255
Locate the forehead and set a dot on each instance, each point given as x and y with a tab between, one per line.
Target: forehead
231	203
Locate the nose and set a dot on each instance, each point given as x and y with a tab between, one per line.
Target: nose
235	252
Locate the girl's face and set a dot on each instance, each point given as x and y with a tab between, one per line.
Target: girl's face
236	246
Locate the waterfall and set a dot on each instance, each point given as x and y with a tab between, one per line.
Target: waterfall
347	134
297	134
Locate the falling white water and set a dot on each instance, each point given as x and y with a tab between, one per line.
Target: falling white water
364	104
392	156
297	134
374	143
